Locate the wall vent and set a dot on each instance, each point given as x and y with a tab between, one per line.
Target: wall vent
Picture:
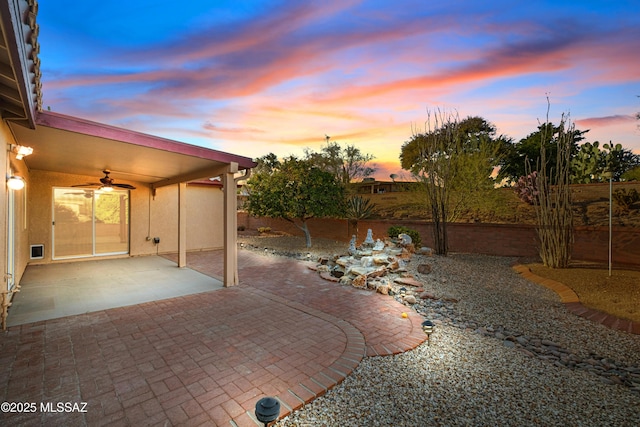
37	251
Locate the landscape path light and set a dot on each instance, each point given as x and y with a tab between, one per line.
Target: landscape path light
427	328
267	410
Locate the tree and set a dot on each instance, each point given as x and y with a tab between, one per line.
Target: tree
347	164
453	159
515	156
295	190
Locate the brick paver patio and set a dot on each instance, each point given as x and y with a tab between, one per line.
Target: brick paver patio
203	359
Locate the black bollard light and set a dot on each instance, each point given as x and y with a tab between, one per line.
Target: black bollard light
267	410
427	328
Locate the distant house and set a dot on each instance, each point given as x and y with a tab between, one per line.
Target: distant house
77	189
372	186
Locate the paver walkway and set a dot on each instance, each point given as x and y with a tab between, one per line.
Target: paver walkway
202	359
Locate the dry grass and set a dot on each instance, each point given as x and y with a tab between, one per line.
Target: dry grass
618	295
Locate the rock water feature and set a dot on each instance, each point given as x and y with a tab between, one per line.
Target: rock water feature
375	265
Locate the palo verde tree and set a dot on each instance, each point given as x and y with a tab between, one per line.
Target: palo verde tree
347	163
453	160
295	190
553	202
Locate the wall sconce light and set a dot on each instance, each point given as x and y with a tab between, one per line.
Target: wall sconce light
21	151
15	182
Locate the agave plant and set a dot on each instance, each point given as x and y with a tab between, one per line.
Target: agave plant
359	208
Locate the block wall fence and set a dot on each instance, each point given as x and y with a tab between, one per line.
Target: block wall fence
591	243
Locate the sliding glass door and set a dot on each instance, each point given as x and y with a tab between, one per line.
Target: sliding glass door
90	222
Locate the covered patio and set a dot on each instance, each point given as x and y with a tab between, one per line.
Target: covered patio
54	291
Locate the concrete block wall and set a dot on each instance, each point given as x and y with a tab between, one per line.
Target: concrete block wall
591	243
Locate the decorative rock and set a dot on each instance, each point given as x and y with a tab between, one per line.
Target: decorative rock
383	289
345	280
360	282
366	261
379	245
359	271
424	269
427	295
327	276
344	261
378	272
410	299
410	281
369	239
425	251
337	272
405	239
406	254
380	259
352	245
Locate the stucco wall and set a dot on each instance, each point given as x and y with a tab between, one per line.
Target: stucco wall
19	168
150	216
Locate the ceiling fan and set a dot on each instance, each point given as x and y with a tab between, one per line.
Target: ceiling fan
106	183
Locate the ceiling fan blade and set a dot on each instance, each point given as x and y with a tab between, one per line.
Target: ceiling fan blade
88	184
127	186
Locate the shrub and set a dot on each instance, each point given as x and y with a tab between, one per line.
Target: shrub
527	188
262	230
625	199
394	230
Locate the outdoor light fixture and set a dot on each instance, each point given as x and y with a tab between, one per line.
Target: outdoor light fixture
267	410
15	182
427	328
21	151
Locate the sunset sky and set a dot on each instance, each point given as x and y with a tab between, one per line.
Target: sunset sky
253	77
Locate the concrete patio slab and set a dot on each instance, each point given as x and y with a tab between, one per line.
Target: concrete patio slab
65	289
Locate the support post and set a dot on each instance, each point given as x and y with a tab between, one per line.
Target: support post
230	226
182	224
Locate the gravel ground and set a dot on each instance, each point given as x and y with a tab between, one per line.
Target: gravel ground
505	352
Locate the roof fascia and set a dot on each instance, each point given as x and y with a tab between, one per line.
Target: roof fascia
17	33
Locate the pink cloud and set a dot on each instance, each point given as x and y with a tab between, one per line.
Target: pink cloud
593	122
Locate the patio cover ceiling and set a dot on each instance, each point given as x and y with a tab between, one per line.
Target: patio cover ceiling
75	146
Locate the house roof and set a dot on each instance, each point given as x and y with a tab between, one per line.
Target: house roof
72	145
20	85
76	146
